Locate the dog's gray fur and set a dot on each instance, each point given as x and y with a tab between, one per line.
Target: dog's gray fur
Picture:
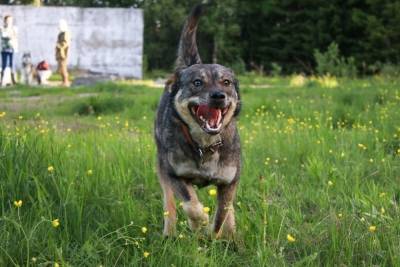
189	153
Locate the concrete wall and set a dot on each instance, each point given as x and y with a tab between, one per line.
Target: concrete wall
106	40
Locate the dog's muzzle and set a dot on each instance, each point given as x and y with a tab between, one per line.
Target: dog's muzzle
210	116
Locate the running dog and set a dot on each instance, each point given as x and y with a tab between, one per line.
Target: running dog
197	138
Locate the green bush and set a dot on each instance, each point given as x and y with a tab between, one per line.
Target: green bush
276	69
97	106
390	70
330	62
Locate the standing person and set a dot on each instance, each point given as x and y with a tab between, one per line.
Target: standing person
9	45
62	47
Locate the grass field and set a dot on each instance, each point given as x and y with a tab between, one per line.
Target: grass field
320	184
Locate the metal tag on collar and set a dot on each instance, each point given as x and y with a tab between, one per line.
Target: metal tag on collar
200	152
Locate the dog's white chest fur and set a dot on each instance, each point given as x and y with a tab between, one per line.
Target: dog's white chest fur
210	169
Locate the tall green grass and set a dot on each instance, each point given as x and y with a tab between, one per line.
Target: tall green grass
319	164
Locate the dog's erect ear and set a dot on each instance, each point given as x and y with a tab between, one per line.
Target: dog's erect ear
188	53
171	86
239	102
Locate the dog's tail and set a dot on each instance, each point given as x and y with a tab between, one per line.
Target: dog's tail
187	52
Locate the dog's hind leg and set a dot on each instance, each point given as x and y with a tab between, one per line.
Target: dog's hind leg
224	221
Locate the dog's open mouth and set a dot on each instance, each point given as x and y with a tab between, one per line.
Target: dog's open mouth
209	118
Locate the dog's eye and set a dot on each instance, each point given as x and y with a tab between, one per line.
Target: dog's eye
227	82
197	83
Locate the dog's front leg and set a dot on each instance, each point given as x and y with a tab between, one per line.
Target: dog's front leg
191	205
194	209
169	207
224	221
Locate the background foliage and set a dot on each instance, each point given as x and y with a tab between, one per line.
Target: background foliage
258	34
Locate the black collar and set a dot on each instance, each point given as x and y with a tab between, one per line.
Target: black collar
200	151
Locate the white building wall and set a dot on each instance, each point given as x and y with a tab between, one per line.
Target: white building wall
105	40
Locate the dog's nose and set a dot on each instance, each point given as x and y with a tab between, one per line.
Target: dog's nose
217	95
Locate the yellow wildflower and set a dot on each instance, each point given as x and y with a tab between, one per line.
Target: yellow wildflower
330	183
144	230
50	169
90	172
166	213
146	254
206	209
372	228
18	203
55	223
2	114
290	238
212	192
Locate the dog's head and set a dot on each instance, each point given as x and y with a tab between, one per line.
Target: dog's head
206	96
26	58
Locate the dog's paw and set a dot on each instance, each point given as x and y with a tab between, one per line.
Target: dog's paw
198	218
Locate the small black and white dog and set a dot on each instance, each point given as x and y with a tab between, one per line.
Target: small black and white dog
28	70
197	138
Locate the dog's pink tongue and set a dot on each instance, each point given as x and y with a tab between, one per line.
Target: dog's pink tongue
210	114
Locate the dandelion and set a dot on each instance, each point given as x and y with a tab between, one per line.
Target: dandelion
206	209
144	230
290	238
383	210
212	192
372	228
340	215
18	203
89	172
146	254
56	264
181	236
383	194
166	213
20	117
2	114
330	183
55	223
50	169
